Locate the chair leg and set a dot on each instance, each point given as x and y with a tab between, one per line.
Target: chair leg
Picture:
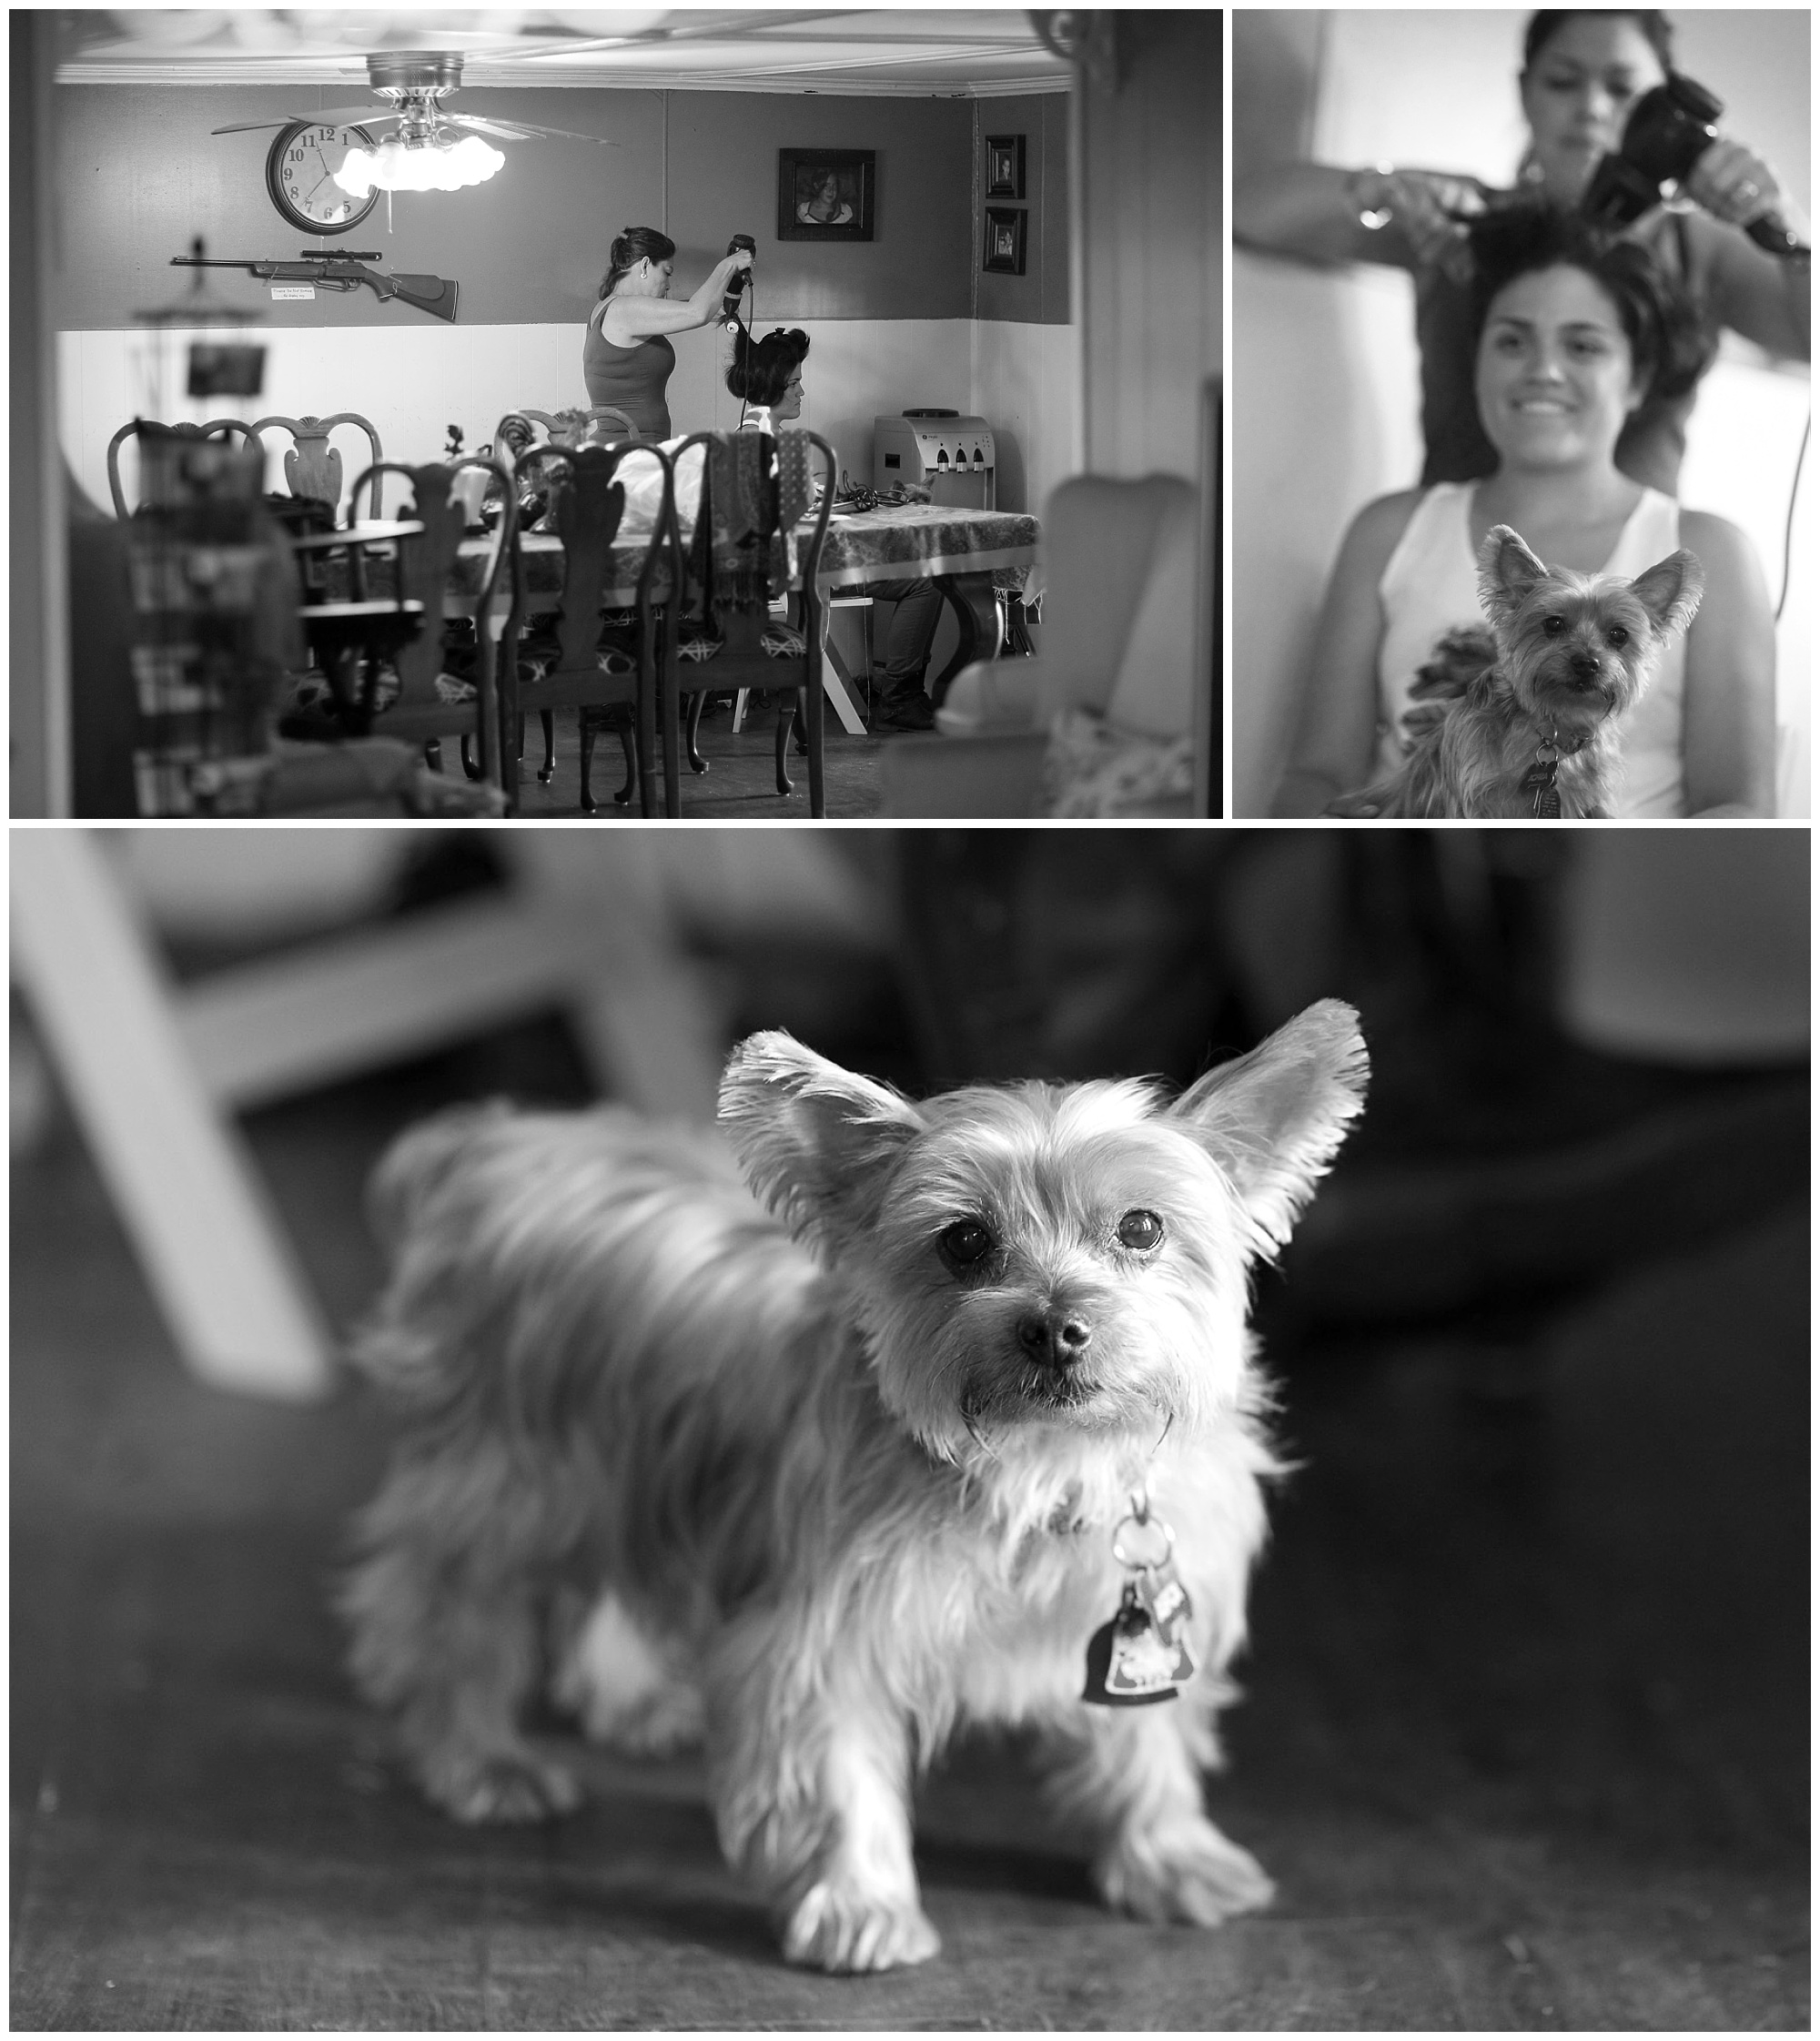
697	702
469	765
787	699
547	772
629	745
589	805
432	753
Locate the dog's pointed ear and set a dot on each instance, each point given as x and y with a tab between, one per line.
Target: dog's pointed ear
1274	1120
1671	592
1508	570
816	1142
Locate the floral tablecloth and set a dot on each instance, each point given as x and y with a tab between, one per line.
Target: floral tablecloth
886	544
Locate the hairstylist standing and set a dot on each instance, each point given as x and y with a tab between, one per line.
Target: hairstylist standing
1581	75
626	357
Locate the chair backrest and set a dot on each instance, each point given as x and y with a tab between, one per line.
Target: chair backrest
312	467
183	431
586	507
808	550
601	425
1119	621
425	563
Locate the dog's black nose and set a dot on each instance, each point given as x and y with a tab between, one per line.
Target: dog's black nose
1057	1338
1584	666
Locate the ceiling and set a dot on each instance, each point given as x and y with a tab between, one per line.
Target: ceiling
959	53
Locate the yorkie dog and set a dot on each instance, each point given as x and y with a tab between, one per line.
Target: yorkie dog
871	1420
1523	721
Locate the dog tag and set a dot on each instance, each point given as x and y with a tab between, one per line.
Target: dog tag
1129	1661
1539	780
1167	1601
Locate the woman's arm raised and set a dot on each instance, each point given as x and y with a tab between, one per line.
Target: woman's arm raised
1337	732
1766	297
626	320
1728	702
1318	211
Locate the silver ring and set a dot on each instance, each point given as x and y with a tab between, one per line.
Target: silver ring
1143	1565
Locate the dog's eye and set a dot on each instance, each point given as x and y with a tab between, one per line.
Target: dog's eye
1553	626
1618	635
965	1244
1140	1231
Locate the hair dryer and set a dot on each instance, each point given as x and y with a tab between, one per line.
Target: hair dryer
1669	128
730	304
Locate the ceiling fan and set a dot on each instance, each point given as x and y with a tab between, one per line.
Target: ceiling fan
415	82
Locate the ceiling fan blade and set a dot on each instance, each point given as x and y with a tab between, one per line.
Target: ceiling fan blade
340	116
519	131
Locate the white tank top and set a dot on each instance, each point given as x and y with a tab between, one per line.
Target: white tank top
1430	585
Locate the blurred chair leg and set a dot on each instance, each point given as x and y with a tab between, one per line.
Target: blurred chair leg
651	1022
210	1244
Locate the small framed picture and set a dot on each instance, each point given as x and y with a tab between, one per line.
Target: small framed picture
1004	166
824	194
1004	240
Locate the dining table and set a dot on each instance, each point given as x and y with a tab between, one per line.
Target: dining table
973	555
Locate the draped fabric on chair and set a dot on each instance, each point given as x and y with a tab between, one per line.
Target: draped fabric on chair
746	546
572	661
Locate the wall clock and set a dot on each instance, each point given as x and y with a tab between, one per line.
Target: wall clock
300	168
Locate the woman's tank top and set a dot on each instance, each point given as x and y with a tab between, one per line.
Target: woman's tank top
632	379
1430	585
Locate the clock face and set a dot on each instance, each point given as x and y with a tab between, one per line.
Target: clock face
300	177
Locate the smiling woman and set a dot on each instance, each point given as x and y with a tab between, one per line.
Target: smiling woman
1574	337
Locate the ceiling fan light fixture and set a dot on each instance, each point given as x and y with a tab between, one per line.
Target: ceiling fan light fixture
398	166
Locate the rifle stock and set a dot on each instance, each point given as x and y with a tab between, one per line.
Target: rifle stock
435	294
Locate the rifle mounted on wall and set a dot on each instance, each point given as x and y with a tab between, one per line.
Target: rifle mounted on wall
434	294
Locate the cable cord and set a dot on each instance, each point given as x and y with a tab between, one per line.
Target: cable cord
1788	527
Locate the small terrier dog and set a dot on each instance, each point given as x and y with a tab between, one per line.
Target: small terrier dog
1531	729
871	1420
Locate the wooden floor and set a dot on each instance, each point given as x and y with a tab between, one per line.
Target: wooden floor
741	782
1525	1742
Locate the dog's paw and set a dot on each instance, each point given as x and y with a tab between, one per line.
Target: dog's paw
1191	1874
658	1726
837	1928
504	1788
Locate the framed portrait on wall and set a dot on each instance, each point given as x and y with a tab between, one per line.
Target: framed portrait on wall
825	195
1004	231
1004	166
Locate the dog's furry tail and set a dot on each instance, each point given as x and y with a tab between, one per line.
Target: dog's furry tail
1459	656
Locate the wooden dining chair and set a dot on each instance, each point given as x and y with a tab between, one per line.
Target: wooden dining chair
432	703
573	667
514	436
742	662
597	425
136	428
312	466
